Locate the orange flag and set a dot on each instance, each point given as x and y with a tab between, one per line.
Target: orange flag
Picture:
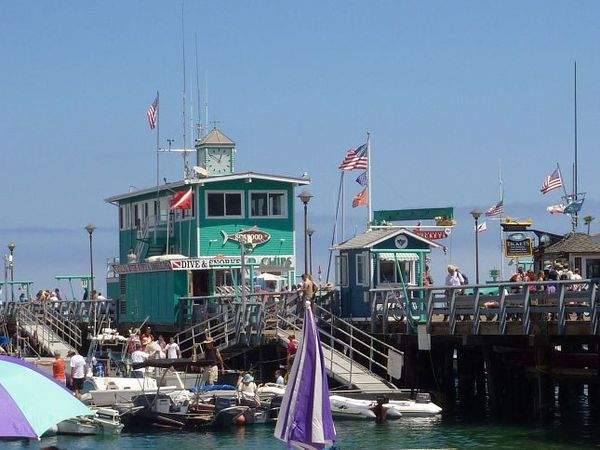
360	199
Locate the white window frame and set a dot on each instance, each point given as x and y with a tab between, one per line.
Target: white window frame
270	215
412	274
341	275
242	200
359	266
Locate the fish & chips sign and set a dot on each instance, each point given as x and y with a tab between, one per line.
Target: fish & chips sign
278	263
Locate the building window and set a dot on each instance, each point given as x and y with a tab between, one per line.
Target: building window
389	274
121	217
341	270
268	204
360	269
224	204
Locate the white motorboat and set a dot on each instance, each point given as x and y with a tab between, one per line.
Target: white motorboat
422	406
106	422
109	391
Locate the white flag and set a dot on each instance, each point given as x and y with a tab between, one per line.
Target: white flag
482	227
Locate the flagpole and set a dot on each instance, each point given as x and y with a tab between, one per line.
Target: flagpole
333	236
369	205
343	233
157	209
501	186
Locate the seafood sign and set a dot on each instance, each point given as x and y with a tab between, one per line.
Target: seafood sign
252	237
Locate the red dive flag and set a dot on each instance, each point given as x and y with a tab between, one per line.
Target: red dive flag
151	113
356	159
360	199
552	182
182	200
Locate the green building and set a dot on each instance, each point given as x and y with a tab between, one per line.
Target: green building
190	238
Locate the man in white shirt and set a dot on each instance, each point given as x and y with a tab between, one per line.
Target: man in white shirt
173	351
138	356
78	369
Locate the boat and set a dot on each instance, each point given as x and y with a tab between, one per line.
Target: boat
107	421
421	406
351	408
110	391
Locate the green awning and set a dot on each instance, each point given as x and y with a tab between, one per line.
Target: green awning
400	256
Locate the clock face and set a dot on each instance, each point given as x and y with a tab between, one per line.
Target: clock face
218	160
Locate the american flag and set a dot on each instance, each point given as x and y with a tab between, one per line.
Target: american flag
151	113
496	210
552	182
355	159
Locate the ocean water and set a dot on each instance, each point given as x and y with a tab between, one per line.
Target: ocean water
406	433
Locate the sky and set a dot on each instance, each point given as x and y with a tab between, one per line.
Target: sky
449	91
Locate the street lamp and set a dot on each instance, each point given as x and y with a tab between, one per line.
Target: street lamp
90	229
476	213
305	198
11	265
310	232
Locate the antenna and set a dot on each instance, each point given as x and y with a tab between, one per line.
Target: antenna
185	162
199	127
575	164
206	100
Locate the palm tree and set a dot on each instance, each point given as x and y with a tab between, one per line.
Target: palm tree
588	221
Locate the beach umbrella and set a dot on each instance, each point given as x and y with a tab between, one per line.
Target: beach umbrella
304	419
31	401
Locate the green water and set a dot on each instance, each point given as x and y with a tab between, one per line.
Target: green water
406	433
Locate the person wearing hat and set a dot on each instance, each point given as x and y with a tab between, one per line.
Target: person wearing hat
147	337
211	353
246	384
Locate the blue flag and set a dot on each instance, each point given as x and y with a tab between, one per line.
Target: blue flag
362	179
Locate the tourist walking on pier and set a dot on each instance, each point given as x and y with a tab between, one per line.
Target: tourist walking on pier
309	291
451	280
58	369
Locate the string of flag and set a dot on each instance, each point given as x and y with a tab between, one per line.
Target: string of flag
358	159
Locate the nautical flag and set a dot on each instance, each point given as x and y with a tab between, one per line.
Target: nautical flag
574	206
481	227
151	113
362	179
556	209
496	210
360	199
355	159
182	200
553	181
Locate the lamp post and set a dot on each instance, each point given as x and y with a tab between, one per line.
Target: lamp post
305	197
309	232
11	265
476	213
90	229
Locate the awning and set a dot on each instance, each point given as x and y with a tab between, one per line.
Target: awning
400	256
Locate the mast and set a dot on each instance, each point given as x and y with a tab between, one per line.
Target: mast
185	162
501	187
369	205
574	216
343	232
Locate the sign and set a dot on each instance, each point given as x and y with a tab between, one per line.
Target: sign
278	263
515	247
154	266
401	241
432	235
252	237
275	263
413	214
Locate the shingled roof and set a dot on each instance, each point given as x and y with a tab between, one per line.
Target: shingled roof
575	243
374	237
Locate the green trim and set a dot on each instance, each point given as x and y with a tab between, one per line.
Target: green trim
396	250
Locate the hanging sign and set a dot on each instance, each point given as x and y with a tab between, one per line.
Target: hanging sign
432	235
517	245
251	237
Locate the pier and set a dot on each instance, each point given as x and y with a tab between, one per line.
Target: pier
501	347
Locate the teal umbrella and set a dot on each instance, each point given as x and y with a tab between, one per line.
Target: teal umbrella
31	402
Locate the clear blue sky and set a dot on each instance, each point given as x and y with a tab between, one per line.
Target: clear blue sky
447	89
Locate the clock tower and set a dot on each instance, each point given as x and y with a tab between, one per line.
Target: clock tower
216	153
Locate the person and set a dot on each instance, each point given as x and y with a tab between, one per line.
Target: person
517	277
292	348
85	293
246	384
309	290
211	353
451	280
57	294
138	356
147	336
279	378
163	344
78	368
173	351
58	369
100	296
427	278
